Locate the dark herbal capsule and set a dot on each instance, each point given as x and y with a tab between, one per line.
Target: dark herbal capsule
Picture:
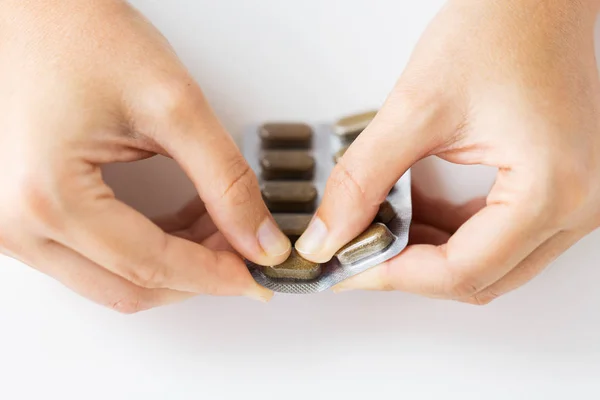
350	127
340	153
290	197
292	225
287	165
295	267
375	239
386	213
286	136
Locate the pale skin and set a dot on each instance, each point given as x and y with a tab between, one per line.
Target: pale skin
77	93
485	85
511	84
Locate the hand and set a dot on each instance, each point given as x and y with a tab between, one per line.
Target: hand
511	84
88	82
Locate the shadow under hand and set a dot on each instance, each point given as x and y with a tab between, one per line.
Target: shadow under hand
155	186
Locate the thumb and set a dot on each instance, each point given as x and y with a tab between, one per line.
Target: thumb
223	179
403	132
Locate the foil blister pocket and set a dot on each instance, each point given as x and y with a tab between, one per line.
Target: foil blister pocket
293	162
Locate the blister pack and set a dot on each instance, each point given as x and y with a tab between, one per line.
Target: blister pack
293	162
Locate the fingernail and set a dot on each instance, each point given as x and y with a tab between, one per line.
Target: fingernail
261	294
313	239
272	240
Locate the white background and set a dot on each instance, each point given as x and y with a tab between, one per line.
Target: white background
309	60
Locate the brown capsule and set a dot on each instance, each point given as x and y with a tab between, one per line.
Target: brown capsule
386	213
295	267
351	126
287	165
292	225
375	239
290	197
286	136
339	154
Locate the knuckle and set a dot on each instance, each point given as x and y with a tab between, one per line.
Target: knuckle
461	286
130	304
172	99
561	191
145	270
483	298
149	276
239	183
36	204
225	278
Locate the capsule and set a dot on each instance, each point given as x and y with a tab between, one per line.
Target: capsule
386	213
287	165
292	225
286	136
290	197
375	239
295	267
348	128
339	154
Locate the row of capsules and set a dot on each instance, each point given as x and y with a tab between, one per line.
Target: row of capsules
288	171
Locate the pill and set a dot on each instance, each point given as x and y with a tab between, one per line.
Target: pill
351	126
286	136
386	213
375	239
287	165
290	197
292	225
295	267
339	154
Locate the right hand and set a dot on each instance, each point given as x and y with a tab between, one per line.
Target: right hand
88	82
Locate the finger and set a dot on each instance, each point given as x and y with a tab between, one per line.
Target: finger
99	285
529	268
229	188
185	217
218	242
481	252
214	240
123	241
399	135
191	223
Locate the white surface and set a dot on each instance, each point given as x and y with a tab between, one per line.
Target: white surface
315	60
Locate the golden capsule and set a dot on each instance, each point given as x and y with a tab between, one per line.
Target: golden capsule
351	126
375	239
295	267
339	154
386	213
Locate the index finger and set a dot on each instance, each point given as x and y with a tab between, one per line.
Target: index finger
126	243
487	247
